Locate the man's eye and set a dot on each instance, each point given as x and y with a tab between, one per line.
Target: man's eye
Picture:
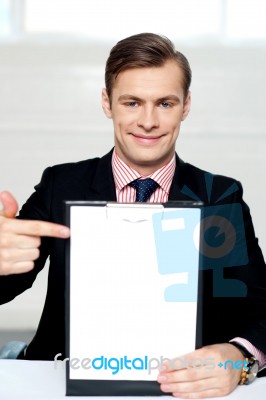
132	104
165	104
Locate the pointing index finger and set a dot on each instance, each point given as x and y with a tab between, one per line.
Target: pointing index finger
38	228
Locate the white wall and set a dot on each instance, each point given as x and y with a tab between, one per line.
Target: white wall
50	113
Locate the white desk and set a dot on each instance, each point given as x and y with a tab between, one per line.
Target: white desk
39	379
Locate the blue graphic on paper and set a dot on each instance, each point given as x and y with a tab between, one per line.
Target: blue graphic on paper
176	251
223	245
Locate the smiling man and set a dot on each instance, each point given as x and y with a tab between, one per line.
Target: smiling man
147	97
147	106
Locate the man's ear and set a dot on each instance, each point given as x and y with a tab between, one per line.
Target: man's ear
106	104
187	105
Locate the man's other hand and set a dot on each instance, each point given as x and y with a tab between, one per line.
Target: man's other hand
20	239
206	372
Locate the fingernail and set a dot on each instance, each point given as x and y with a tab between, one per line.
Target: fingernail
162	378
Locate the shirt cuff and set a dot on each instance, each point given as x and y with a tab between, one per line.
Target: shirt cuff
258	354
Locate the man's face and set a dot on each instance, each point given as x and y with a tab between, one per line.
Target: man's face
147	108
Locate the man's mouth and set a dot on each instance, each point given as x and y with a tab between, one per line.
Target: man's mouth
146	139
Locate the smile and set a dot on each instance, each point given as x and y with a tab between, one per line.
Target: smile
144	139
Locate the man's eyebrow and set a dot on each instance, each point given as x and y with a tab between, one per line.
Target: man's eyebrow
129	97
173	97
170	97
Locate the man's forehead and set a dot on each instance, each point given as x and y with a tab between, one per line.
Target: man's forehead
167	78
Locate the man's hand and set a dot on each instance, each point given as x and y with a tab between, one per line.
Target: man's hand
202	378
20	239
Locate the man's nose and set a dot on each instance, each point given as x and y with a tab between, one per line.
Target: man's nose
148	118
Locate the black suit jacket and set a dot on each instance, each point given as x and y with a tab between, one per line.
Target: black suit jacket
220	318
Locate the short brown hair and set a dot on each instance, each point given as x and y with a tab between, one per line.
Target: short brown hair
144	50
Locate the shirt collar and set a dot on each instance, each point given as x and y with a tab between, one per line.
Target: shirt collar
123	174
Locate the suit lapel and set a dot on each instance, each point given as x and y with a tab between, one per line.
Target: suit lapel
102	187
178	182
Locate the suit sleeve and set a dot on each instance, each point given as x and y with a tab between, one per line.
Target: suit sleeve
37	207
254	276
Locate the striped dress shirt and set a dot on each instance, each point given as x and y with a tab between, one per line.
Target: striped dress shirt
123	175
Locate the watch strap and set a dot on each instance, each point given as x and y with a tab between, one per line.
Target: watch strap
246	376
243	350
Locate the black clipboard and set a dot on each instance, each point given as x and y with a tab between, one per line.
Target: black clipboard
85	218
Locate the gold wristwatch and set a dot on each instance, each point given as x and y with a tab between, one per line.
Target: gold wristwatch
250	368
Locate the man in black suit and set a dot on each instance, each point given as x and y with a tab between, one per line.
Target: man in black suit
147	97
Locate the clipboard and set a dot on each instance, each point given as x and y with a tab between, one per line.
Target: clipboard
131	293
